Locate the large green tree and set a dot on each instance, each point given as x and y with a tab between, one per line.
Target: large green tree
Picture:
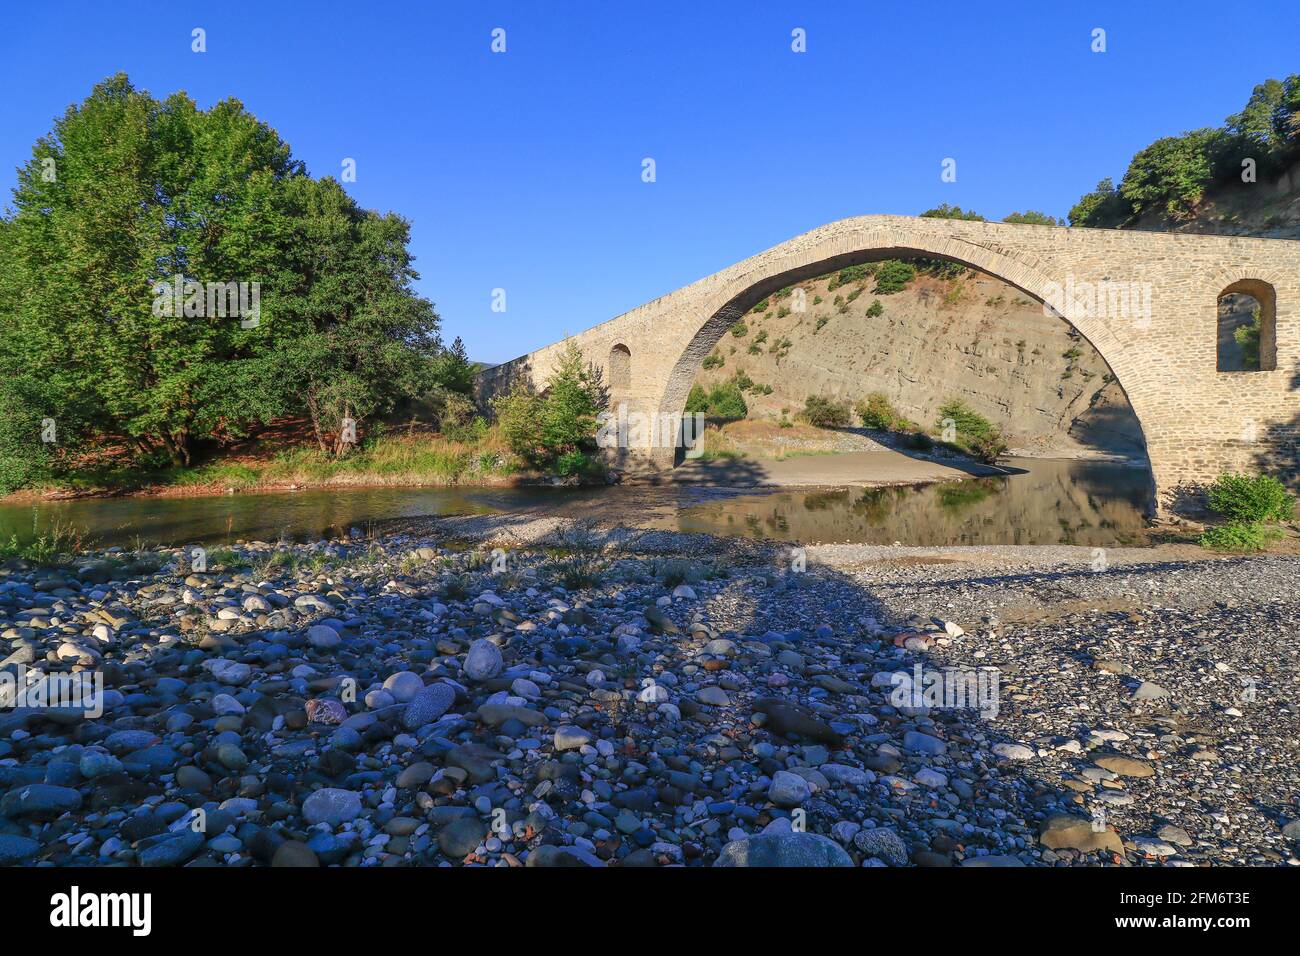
126	212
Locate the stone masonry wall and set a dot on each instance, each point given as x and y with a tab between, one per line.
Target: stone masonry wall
1197	421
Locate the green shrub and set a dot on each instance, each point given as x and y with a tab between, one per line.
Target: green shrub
725	401
988	448
1239	537
578	463
1247	339
471	432
1246	498
875	309
739	329
975	433
858	273
948	211
822	412
713	361
876	411
893	275
965	419
543	429
517	412
697	402
1034	218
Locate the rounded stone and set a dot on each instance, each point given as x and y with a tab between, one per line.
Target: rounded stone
430	704
331	805
459	838
788	789
404	686
323	637
483	662
784	849
294	854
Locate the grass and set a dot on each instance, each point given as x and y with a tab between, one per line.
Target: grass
48	546
420	459
718	446
1239	537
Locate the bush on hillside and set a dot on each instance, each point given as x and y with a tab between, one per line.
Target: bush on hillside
1170	176
975	433
893	275
722	401
876	411
822	412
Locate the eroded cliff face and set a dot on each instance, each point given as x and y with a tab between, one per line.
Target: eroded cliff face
974	338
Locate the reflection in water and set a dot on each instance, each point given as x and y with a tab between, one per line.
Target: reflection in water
205	520
1051	502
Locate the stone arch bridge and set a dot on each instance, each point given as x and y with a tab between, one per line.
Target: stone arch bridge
1147	301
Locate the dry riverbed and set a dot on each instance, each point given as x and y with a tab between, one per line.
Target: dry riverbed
477	691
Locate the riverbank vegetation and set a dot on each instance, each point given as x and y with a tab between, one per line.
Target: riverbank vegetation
959	427
556	429
1253	508
173	283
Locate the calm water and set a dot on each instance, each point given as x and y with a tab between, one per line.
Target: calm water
1049	502
1052	502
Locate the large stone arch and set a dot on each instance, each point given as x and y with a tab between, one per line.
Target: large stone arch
803	261
1196	421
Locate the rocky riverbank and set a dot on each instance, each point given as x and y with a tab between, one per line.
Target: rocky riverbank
576	698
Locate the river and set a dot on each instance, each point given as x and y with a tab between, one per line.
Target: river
1044	501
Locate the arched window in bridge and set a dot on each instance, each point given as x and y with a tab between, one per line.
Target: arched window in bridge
1247	332
620	368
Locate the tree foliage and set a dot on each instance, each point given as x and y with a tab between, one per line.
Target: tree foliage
560	423
948	211
127	215
1033	218
1168	178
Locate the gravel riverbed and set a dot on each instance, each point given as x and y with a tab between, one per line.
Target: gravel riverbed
506	692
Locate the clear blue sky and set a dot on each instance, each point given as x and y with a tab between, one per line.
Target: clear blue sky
523	170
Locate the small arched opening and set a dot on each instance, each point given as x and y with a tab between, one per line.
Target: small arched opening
619	370
1247	327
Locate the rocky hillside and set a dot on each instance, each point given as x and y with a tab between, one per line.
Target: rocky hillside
972	337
